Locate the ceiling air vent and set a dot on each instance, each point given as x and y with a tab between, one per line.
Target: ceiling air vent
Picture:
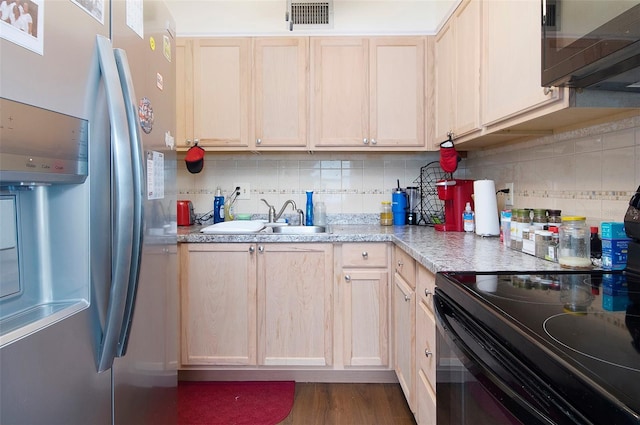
310	14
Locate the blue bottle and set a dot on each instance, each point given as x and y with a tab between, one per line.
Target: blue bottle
399	207
308	221
218	207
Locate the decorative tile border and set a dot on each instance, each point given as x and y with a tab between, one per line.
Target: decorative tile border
601	195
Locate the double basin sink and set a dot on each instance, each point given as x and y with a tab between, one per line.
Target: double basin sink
242	227
299	230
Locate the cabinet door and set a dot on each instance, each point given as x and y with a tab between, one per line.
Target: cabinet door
295	310
222	82
218	304
397	77
467	66
444	80
280	94
184	92
512	60
426	401
404	331
457	67
365	317
340	92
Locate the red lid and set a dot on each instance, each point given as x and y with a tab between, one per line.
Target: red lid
594	229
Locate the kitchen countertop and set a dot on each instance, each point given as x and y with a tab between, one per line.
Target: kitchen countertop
437	251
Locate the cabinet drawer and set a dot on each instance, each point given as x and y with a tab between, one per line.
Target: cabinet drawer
364	255
426	287
426	342
405	266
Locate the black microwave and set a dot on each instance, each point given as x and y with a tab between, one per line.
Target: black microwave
591	44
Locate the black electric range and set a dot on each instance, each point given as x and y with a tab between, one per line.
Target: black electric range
573	338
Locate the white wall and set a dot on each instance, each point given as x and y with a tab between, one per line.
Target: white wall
267	17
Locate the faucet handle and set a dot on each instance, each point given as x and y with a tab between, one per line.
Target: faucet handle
265	201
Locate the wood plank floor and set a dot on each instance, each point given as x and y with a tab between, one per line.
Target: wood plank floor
349	404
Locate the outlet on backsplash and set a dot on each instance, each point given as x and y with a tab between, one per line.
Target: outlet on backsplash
508	197
245	190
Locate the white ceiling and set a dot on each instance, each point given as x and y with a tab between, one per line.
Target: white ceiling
267	17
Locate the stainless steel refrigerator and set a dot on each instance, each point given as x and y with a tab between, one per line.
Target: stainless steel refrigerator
88	273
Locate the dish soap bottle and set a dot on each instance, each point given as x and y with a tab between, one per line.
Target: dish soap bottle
308	220
468	219
218	206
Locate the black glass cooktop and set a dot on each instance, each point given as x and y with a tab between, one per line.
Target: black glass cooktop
584	325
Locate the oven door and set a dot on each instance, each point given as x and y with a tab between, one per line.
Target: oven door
478	380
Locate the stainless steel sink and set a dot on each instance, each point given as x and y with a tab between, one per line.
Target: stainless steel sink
299	230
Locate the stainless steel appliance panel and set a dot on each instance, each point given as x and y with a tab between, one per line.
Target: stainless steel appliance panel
145	378
50	377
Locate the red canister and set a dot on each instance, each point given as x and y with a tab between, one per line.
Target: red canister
186	216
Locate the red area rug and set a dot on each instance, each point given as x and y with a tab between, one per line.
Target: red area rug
234	403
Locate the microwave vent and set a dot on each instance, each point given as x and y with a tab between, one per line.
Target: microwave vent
310	14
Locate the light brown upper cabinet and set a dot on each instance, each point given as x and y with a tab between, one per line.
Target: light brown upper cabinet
281	84
221	92
457	73
184	89
367	93
512	63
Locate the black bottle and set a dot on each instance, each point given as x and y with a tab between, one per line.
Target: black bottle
596	243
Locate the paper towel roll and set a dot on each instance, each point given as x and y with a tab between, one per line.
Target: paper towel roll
486	208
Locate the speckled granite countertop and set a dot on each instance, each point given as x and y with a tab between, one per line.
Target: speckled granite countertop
437	251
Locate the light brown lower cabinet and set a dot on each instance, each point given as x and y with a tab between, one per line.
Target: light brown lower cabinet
218	304
256	304
295	312
364	289
404	323
425	348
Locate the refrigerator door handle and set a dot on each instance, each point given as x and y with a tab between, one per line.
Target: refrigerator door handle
122	213
137	164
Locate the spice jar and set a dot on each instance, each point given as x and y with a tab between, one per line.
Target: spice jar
539	218
574	245
553	216
386	215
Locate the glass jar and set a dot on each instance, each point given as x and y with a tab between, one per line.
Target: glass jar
386	215
319	214
553	216
539	218
574	245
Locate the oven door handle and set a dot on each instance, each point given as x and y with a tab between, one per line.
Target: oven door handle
446	313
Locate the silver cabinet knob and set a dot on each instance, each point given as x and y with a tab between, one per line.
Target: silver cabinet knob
427	352
427	292
407	297
547	91
400	263
365	254
374	141
258	141
365	141
196	141
261	249
347	278
252	249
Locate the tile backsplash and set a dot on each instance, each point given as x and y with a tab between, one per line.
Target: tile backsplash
591	171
